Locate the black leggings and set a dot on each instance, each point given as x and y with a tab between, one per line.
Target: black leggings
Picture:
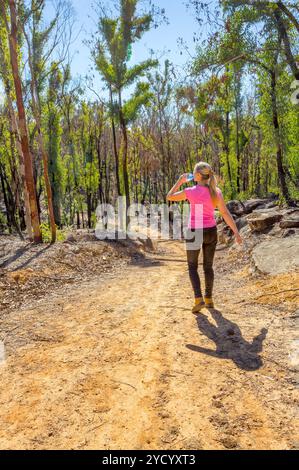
209	242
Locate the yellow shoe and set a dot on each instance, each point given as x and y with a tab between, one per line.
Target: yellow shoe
209	302
199	303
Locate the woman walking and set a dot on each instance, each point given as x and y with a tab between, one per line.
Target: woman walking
202	223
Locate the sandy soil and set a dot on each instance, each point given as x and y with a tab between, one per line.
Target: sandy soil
122	363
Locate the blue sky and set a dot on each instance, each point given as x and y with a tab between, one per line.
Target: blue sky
163	40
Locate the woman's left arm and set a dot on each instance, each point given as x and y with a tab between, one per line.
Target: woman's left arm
180	195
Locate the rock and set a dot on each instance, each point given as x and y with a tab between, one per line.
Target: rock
261	221
241	222
271	204
265	210
290	221
289	232
70	239
292	212
277	256
245	231
252	204
236	207
275	231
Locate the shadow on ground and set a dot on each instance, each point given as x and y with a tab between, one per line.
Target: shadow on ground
229	341
23	251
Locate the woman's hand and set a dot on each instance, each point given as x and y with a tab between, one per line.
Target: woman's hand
183	178
238	238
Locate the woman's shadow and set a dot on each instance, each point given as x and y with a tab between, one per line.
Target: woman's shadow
229	341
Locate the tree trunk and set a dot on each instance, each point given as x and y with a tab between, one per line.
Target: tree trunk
279	152
42	148
9	203
30	184
238	151
125	159
17	140
47	181
100	167
5	197
118	189
162	152
89	208
289	14
226	147
282	31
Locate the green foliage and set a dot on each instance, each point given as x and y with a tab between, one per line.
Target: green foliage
114	47
46	233
237	48
141	97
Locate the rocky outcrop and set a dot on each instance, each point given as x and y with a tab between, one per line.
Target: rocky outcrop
289	232
241	223
271	204
270	234
236	208
289	223
260	221
290	219
277	256
253	204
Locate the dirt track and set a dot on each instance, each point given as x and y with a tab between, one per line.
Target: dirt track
124	364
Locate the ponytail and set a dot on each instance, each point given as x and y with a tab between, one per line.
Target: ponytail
213	187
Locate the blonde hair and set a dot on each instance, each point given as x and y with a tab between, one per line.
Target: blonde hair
208	174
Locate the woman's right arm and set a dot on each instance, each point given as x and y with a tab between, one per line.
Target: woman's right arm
228	217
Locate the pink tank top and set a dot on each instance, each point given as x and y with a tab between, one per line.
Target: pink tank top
202	211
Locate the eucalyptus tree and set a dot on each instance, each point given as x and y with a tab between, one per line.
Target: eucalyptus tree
34	64
236	44
281	15
161	83
16	160
12	18
41	43
273	51
111	55
54	132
